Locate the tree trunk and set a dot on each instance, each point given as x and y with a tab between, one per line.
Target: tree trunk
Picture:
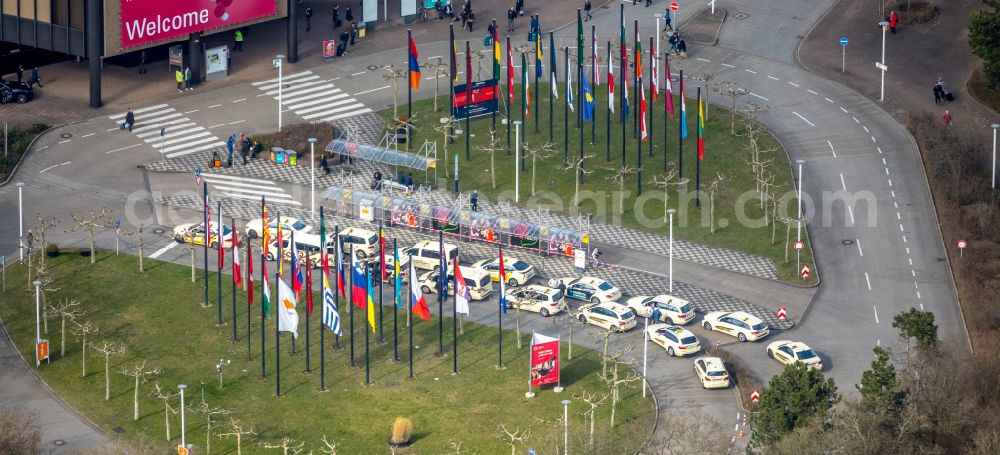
532	175
45	315
517	324
621	196
591	442
107	376
135	412
436	89
166	417
570	345
83	358
208	433
576	193
774	224
62	339
239	444
192	266
93	254
395	103
788	234
141	245
493	172
446	162
604	358
711	210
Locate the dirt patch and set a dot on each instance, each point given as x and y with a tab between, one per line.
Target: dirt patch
914	12
296	137
704	27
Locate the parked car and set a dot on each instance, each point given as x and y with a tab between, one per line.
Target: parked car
15	92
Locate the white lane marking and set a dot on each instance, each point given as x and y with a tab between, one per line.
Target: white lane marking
895	205
262	94
123	148
858	243
908	252
911	261
829	100
866	128
214	106
257	198
890	184
87	135
239	100
53	166
901	227
883	161
773	78
855	119
709	61
803	118
842	184
873	139
372	90
43	148
210	177
137	111
758	96
832	150
915	283
727	65
192	111
357	74
893	193
869	281
913	272
876	313
886	171
238	121
160	251
287	76
878	342
810	91
792	83
918	298
904	239
842	108
737	428
750	71
879	150
216	126
850	211
63	142
899	216
111	129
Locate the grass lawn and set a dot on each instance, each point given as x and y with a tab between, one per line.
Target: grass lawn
158	316
725	154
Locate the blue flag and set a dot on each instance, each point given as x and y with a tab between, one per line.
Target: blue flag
588	102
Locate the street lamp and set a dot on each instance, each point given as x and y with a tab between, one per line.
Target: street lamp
183	440
20	220
881	65
517	158
277	64
312	179
671	261
565	426
38	318
798	228
645	345
994	166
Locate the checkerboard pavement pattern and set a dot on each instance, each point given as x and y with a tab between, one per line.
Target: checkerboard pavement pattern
632	282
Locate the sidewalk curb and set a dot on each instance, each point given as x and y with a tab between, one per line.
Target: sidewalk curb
31	146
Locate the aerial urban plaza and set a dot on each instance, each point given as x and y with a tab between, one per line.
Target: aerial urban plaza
473	227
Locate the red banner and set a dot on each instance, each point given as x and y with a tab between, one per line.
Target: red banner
145	21
544	360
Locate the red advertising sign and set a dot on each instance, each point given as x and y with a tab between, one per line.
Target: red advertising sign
146	21
329	48
544	360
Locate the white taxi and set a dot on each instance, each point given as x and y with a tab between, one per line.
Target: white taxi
788	352
543	300
255	227
518	271
195	233
672	309
712	373
740	324
588	289
676	340
609	316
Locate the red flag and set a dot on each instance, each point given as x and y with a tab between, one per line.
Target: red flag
510	73
381	252
340	269
359	290
249	275
309	292
237	279
669	98
417	303
643	135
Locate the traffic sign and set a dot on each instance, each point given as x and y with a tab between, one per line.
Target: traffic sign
197	171
754	396
963	243
41	350
674	6
843	41
163	132
805	272
781	314
181	450
799	245
881	66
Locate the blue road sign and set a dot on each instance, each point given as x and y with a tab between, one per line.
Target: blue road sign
118	224
163	132
843	41
197	171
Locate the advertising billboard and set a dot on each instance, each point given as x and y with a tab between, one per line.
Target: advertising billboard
147	21
544	360
481	100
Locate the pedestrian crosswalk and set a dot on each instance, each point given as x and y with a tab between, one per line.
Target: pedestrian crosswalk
312	97
249	188
181	135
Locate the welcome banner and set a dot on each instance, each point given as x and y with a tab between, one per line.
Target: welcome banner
146	21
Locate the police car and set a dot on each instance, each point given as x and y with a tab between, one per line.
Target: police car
739	324
788	352
588	289
609	316
676	340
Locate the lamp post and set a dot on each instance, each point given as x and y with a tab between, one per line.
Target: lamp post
312	179
881	65
277	64
798	228
670	263
38	318
993	167
517	158
565	427
183	440
20	220
645	346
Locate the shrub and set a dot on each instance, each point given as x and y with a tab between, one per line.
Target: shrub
19	431
402	431
52	250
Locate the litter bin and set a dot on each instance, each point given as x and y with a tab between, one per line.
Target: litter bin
293	158
401	135
277	155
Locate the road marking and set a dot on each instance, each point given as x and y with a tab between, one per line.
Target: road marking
878	342
214	106
262	94
883	161
866	128
918	298
915	286
879	150
727	65
886	171
123	148
833	151
898	216
858	242
901	227
709	61
803	118
112	129
87	135
287	76
810	91
211	176
904	239
890	184
63	142
911	261
239	100
758	96
238	121
773	78
850	211
895	205
908	252
876	311
160	251
842	108
913	272
137	111
53	166
750	71
869	281
43	148
829	100
873	139
216	126
792	83
372	90
855	119
357	74
893	193
842	184
436	56
191	111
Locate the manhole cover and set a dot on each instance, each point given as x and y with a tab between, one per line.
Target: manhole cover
59	442
741	16
158	231
847	242
65	135
372	67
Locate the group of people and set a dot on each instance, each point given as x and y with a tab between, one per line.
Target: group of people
248	147
349	36
32	77
677	44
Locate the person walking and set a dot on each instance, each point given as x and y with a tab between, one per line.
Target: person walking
474	200
244	149
230	144
309	15
666	20
354	32
19	72
947	118
893	20
648	2
349	14
519	7
142	62
33	78
239	40
673	40
511	14
187	79
129	119
586	9
179	76
336	17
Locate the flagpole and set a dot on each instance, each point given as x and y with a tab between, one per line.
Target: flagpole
441	291
322	329
552	51
368	374
308	306
579	71
381	256
294	262
524	96
697	162
338	255
249	298
277	337
510	89
395	306
496	69
566	110
468	97
451	80
235	274
666	94
221	248
350	306
636	79
652	95
593	73
608	107
624	73
263	295
454	325
409	88
409	310
207	236
538	69
680	130
499	310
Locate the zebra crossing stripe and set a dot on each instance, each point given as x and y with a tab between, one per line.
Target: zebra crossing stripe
271	81
211	177
163	250
336	96
196	149
345	115
309	96
186	139
171	133
156	128
337	110
298	85
121	115
251	197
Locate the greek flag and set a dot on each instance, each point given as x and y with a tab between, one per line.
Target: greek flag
331	318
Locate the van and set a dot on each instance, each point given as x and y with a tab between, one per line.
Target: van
427	254
363	242
478	281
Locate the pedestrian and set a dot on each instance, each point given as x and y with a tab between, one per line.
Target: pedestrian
336	17
239	40
230	143
586	9
129	119
142	62
471	21
33	78
666	20
519	7
345	37
947	118
474	200
673	40
256	149
354	32
349	14
938	95
187	79
511	14
323	163
634	2
682	47
179	76
648	2
19	72
309	15
893	20
656	313
244	149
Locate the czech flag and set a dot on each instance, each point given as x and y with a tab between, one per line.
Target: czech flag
414	66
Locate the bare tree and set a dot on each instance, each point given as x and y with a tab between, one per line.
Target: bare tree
238	431
479	55
665	182
67	310
447	129
20	432
492	148
734	93
286	445
569	318
614	379
330	447
141	374
580	172
527	297
43	225
593	401
619	178
391	73
108	348
82	331
209	411
543	152
707	79
604	336
456	446
439	69
513	438
160	394
690	432
95	219
138	231
712	188
45	275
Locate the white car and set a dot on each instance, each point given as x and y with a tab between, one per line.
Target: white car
543	300
477	281
712	373
609	316
672	309
588	289
788	352
288	225
739	324
518	271
195	233
676	340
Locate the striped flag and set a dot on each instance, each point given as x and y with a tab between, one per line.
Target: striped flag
414	68
642	115
701	130
669	98
266	235
611	83
340	267
288	317
503	283
331	316
654	86
552	65
369	304
461	291
398	276
237	279
510	72
525	86
684	128
249	274
266	297
417	303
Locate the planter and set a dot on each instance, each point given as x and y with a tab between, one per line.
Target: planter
399	445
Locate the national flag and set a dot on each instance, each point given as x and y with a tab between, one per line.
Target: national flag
381	253
340	268
701	130
654	85
525	86
297	278
417	303
309	292
588	102
398	276
684	129
237	279
249	274
281	243
331	316
369	304
510	72
638	56
220	233
669	98
642	115
461	291
359	293
569	84
288	318
538	54
503	284
453	61
266	235
266	289
414	66
552	66
496	52
611	83
597	70
625	94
